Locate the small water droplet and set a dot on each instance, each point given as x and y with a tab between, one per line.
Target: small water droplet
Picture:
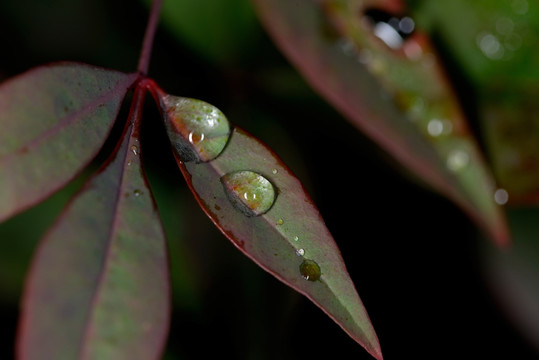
274	171
129	163
198	131
296	238
134	149
249	192
457	160
300	252
310	270
137	192
280	222
490	46
501	196
437	127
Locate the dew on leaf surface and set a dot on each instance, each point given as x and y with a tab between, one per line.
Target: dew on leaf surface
310	270
249	192
197	130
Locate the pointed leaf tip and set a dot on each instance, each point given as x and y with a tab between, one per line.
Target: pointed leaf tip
262	208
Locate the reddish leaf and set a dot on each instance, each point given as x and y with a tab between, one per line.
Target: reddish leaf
394	92
54	120
256	202
98	287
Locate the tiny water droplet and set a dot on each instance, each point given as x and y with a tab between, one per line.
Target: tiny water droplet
249	192
197	130
296	238
134	149
280	222
300	252
137	192
437	127
129	163
457	160
501	196
274	171
490	45
310	270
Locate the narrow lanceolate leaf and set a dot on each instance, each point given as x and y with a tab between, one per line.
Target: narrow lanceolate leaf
256	202
53	121
391	87
98	287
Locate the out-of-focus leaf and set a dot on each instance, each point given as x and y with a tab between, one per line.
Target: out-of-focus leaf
395	94
98	287
513	275
54	120
254	199
493	40
495	44
216	29
510	120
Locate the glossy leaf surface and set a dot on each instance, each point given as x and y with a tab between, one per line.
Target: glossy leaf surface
263	209
98	287
397	95
54	120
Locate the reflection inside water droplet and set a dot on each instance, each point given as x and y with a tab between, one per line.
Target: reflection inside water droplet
249	192
197	130
310	270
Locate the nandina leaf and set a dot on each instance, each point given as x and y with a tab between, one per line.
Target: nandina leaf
398	97
98	287
54	120
254	199
513	275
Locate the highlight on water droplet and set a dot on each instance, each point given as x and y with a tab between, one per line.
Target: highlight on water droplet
310	270
501	196
197	130
457	160
249	192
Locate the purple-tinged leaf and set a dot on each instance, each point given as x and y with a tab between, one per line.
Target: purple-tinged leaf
257	203
98	287
54	120
393	89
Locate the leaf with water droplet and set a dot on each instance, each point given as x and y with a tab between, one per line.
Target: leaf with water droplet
198	131
263	209
54	120
101	271
391	90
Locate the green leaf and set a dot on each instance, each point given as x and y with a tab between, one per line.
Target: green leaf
219	30
254	199
54	120
397	96
99	285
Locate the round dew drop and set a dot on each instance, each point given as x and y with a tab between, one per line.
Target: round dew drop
249	192
197	130
310	270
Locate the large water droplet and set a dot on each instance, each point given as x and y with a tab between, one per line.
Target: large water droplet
249	192
198	131
310	270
